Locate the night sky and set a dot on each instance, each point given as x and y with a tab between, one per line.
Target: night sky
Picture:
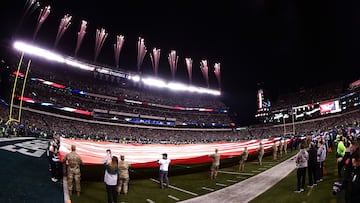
281	44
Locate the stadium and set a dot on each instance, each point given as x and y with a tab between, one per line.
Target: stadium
98	106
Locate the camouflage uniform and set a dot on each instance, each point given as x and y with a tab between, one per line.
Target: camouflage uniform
243	158
260	153
215	164
275	149
73	162
123	179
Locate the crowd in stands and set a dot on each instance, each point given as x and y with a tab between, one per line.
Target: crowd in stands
309	95
39	122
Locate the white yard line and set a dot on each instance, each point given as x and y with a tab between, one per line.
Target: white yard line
176	188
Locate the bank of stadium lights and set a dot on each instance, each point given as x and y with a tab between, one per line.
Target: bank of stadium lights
43	53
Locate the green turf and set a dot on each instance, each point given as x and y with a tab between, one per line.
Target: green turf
141	189
284	190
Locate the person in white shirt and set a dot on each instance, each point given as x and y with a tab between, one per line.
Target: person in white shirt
111	176
164	169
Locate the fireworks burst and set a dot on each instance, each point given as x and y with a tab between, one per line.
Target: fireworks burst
81	34
217	73
205	71
117	48
173	60
64	24
141	53
100	39
189	63
30	7
155	57
44	13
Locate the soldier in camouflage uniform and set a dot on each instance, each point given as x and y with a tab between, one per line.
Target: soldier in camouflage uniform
73	162
243	158
123	179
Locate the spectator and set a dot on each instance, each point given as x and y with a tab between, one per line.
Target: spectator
301	164
111	176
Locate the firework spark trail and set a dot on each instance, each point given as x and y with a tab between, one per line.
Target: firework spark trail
81	34
217	73
100	39
155	57
44	13
30	4
189	63
205	71
64	24
117	48
33	7
141	53
173	60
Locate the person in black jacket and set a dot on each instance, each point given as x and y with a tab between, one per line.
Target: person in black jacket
351	181
353	185
312	165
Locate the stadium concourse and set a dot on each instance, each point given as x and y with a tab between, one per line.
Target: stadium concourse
28	182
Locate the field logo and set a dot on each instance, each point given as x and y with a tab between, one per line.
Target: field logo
34	148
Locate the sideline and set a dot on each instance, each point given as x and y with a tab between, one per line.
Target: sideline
254	185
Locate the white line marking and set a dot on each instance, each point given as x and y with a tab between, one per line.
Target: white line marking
174	198
236	173
66	191
241	177
221	184
208	189
150	201
176	188
231	181
308	194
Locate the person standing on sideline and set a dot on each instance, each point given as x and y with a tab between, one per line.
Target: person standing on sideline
301	164
260	152
164	170
73	162
215	164
321	156
123	179
54	159
340	153
312	165
111	176
275	149
243	158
